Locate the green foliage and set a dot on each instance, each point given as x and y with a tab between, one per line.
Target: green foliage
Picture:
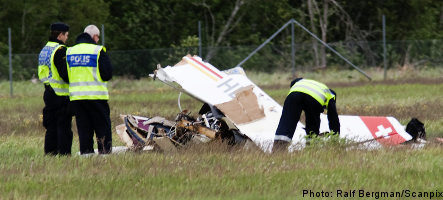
146	28
29	25
150	24
4	50
326	141
190	41
80	13
157	24
30	20
412	19
4	63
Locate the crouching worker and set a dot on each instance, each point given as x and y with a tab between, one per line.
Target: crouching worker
312	97
89	68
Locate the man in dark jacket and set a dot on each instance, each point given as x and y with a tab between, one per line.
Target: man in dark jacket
312	97
56	116
89	69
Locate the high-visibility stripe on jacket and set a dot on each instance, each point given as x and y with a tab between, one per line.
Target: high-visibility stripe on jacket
45	60
60	87
85	82
317	90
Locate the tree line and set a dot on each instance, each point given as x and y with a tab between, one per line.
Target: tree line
140	24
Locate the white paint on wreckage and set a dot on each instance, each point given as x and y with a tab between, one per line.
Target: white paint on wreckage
257	115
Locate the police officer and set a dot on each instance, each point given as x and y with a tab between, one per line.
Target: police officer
312	97
56	116
89	69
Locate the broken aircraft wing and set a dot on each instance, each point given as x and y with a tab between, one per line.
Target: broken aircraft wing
257	115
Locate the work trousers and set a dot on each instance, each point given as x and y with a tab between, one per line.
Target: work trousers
57	120
294	104
93	116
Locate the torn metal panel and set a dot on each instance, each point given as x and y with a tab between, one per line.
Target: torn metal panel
121	132
244	108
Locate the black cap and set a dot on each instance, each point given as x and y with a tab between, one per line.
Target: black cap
59	26
295	81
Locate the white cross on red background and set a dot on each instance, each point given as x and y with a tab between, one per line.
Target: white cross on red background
382	131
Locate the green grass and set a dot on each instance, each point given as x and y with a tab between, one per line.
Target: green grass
213	171
212	174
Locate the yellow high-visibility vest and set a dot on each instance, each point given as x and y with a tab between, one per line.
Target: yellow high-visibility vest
85	82
60	87
317	90
45	60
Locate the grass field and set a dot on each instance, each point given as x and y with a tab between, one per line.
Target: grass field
216	172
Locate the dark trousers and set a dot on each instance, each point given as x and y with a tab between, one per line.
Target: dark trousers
57	120
292	108
93	116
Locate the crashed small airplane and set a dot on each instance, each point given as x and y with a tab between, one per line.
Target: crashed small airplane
238	111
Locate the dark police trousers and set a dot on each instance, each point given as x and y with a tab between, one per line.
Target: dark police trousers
296	102
57	120
93	116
